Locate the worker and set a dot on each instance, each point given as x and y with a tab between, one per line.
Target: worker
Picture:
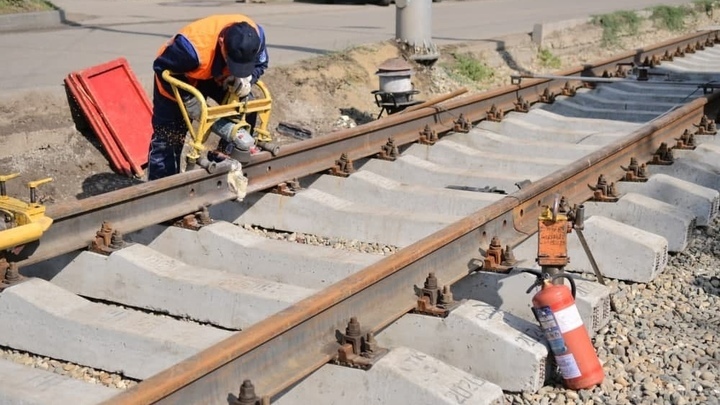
214	54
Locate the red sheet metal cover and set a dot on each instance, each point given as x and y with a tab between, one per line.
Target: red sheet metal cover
92	115
124	107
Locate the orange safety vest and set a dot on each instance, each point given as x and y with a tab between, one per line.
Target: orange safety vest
203	34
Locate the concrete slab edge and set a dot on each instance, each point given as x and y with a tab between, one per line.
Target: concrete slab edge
31	21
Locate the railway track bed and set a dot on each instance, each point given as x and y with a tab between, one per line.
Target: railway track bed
402	263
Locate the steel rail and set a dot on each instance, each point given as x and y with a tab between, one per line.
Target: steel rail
279	351
130	209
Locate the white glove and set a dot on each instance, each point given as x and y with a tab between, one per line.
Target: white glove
241	86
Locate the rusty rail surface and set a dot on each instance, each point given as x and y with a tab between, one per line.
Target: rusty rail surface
133	208
279	351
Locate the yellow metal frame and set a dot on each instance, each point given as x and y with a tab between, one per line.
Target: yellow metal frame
29	219
231	108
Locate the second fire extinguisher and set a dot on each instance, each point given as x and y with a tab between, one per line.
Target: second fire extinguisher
554	307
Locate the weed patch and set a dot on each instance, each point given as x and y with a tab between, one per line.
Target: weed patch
616	24
24	6
669	17
468	66
548	60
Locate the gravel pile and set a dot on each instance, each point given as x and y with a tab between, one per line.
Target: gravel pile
335	243
662	346
67	369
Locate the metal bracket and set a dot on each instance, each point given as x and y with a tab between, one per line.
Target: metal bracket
686	141
461	124
522	105
428	136
343	166
247	396
635	172
706	126
663	156
288	188
604	192
389	151
547	96
494	114
9	274
357	350
496	259
668	56
434	301
679	53
568	90
196	220
107	240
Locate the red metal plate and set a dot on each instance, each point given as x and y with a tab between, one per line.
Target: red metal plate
92	115
123	106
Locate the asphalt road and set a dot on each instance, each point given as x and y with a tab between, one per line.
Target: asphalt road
102	30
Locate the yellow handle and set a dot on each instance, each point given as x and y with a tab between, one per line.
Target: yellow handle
36	183
6	177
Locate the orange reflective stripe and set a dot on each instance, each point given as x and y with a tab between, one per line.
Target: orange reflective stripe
161	89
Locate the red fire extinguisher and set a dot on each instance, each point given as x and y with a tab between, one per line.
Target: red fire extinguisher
554	307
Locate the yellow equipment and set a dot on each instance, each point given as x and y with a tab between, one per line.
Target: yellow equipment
21	222
231	108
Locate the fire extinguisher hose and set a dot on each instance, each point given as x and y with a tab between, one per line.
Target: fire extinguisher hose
542	277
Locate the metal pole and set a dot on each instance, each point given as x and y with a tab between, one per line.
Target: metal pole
413	29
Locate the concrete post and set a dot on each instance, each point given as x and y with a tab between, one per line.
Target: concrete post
413	29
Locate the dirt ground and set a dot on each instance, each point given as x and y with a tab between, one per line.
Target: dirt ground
323	94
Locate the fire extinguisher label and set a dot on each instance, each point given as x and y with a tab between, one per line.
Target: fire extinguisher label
550	327
568	319
568	366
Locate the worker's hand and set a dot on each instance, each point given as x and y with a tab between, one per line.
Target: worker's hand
241	86
192	106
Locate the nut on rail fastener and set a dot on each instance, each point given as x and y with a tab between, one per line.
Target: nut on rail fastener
247	396
343	166
288	188
662	156
497	259
428	136
521	105
686	141
389	151
357	350
196	220
461	124
635	172
494	114
107	240
433	300
547	96
568	90
9	274
604	191
706	126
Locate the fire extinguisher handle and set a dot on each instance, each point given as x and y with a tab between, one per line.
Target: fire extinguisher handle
569	279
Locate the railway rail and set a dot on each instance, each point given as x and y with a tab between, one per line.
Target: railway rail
446	186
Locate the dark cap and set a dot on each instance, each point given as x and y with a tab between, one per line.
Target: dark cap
242	44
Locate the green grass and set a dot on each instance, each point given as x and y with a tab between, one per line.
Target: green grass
670	17
547	59
24	6
468	66
706	6
616	24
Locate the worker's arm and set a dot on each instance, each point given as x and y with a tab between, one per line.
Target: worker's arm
179	57
262	59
